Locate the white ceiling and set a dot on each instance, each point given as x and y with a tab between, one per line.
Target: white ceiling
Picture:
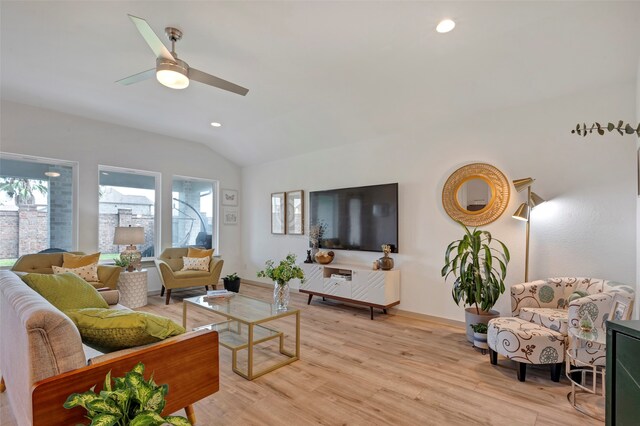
320	74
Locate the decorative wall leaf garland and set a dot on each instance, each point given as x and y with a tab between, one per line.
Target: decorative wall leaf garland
622	128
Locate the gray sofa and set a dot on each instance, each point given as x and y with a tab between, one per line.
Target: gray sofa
43	359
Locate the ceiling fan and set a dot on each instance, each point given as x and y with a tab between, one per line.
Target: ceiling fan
171	71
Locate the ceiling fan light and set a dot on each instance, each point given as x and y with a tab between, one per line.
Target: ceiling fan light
172	79
172	74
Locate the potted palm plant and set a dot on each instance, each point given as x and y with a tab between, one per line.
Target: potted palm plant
479	271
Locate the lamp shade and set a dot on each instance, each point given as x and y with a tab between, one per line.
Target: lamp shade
128	235
522	213
536	200
522	184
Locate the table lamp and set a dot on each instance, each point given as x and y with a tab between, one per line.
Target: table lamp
130	236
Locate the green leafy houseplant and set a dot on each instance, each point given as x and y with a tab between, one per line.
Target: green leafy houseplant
132	401
284	272
232	282
122	262
479	328
231	277
478	268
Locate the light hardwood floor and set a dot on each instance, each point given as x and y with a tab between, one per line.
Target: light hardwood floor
354	371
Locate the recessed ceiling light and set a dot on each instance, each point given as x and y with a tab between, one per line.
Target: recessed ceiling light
52	174
214	124
105	174
445	26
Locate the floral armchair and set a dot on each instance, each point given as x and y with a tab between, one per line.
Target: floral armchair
560	303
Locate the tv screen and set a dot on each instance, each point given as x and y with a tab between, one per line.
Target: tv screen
360	218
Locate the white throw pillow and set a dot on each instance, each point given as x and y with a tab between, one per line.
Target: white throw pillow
196	263
87	273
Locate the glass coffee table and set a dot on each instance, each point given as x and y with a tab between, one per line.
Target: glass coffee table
244	328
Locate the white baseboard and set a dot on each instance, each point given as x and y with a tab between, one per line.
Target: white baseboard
392	311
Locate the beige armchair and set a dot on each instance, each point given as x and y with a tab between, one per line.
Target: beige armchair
169	265
41	263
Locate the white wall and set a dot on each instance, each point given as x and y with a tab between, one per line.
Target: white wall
637	307
587	228
34	131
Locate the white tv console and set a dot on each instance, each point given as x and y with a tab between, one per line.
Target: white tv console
368	287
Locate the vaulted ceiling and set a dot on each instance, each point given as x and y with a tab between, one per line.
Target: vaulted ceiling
320	74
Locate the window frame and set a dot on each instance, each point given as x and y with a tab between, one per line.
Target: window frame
157	217
75	184
215	225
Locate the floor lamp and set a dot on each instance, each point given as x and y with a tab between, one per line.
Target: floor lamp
524	213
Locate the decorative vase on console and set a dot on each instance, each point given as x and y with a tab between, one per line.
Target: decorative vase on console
316	232
385	262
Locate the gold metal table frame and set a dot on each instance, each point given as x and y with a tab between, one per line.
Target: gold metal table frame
244	328
575	366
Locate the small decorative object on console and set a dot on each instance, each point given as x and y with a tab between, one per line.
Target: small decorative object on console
308	259
385	262
316	232
324	257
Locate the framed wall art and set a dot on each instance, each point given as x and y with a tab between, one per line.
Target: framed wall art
278	213
620	309
230	215
295	212
229	197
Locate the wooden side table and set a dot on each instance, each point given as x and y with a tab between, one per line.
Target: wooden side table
133	288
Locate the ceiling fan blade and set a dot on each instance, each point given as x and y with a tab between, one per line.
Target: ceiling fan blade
151	38
211	80
137	77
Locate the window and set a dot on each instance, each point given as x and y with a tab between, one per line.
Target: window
128	197
194	212
36	206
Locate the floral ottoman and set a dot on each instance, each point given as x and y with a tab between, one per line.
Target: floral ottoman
526	343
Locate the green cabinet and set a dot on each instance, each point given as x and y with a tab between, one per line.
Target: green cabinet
623	373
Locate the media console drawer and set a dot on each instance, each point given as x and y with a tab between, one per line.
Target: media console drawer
353	284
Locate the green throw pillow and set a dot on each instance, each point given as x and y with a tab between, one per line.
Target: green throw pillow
112	329
578	294
65	291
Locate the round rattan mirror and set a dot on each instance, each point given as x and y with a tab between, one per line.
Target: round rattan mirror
476	194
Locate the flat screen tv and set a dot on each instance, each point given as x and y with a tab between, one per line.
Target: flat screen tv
360	218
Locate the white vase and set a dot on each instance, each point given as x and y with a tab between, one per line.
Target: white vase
281	295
